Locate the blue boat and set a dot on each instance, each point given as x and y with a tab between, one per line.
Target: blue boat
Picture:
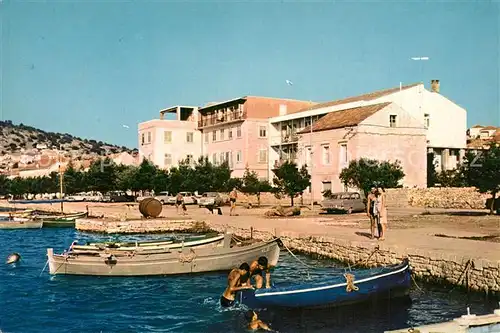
352	287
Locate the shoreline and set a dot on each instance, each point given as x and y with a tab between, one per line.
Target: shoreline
468	264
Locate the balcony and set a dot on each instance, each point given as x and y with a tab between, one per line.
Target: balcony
285	139
227	117
278	163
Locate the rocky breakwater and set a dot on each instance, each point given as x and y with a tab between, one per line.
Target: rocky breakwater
133	226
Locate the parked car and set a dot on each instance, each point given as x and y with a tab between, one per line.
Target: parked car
163	197
348	202
95	197
77	197
118	196
189	199
211	199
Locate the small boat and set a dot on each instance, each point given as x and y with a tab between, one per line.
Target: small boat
20	223
185	260
60	221
19	213
352	287
158	245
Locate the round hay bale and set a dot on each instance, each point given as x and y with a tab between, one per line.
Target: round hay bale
150	207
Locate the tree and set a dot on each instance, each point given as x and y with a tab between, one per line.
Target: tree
290	180
161	181
145	175
102	175
251	184
482	171
365	173
222	178
72	180
4	185
125	178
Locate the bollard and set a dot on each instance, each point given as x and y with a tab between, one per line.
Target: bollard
251	232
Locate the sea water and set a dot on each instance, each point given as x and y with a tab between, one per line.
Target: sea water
34	301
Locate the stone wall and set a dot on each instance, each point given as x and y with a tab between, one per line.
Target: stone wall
108	226
437	197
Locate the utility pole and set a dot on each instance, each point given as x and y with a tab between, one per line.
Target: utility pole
61	182
311	161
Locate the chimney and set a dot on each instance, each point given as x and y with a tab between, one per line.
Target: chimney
435	86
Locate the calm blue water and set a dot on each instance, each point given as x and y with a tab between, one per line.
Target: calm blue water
30	302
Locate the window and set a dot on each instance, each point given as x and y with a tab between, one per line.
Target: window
214	158
262	131
206	137
392	120
167	137
307	158
189	159
238	156
142	138
222	134
262	156
238	132
149	137
189	137
426	120
221	158
167	160
228	158
214	136
326	155
343	155
307	122
230	134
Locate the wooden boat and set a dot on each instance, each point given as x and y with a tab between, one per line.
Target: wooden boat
176	261
392	281
60	221
19	223
140	247
17	213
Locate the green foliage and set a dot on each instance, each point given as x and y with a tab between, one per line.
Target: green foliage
482	171
291	181
102	175
365	173
145	175
73	180
4	185
251	184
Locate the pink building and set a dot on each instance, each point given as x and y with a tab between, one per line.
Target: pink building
382	131
236	131
172	138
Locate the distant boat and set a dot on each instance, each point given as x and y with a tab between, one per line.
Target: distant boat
20	223
184	260
392	281
60	221
21	213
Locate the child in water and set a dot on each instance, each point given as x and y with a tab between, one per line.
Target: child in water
255	323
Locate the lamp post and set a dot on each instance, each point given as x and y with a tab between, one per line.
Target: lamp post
421	72
311	162
61	182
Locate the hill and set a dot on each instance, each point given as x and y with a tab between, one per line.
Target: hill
17	138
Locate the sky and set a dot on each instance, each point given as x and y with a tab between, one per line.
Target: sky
89	67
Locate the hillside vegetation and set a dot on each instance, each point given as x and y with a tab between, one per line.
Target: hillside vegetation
13	138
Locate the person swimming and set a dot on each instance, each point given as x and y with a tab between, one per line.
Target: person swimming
234	283
254	323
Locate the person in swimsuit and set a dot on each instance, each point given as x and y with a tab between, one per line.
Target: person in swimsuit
179	200
381	210
234	284
369	210
232	197
257	267
254	323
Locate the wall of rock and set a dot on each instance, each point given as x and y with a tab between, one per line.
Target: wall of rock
109	226
437	197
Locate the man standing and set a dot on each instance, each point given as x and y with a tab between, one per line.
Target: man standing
370	205
179	202
232	197
234	284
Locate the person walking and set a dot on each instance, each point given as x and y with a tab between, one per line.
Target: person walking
179	202
381	212
370	203
232	197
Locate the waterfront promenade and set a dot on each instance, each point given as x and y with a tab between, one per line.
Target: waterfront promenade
412	232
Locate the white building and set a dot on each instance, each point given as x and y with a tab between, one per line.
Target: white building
445	121
166	142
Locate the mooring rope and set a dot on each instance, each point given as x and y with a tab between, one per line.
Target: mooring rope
349	278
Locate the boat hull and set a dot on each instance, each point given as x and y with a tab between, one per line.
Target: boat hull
20	224
392	282
181	261
64	223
